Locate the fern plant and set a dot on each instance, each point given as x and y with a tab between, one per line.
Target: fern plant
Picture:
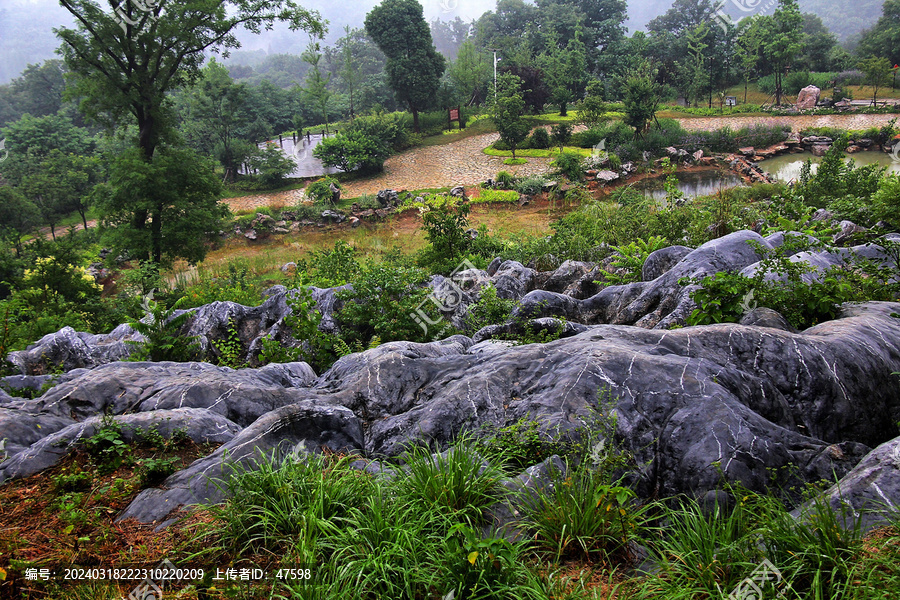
161	328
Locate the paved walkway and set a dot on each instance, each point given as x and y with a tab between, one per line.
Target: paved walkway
798	122
459	163
464	163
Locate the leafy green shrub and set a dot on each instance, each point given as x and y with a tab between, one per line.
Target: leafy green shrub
446	220
302	339
107	448
151	471
531	186
515	161
540	139
329	268
561	134
353	151
319	191
383	303
504	180
519	445
725	296
570	165
631	259
271	164
490	309
389	129
230	349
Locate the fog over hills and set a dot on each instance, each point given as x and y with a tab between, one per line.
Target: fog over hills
26	26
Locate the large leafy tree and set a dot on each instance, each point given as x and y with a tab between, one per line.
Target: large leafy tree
414	66
216	117
565	69
784	41
126	60
180	191
18	216
124	63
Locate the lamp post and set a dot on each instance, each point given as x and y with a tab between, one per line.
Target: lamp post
496	60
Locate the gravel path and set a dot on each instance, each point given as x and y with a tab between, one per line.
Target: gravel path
464	163
849	122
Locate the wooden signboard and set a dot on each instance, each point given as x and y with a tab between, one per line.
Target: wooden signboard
454	114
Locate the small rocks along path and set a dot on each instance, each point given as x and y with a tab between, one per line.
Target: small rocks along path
464	163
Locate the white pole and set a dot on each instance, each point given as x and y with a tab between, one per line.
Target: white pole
495	75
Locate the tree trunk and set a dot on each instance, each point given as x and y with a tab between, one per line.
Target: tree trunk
147	144
777	89
156	234
415	113
83	214
562	109
53	231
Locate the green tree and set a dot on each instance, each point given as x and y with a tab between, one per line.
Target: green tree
18	216
316	83
696	71
783	41
507	111
178	188
878	72
217	111
271	164
414	67
565	70
884	38
470	73
125	63
593	110
350	72
641	99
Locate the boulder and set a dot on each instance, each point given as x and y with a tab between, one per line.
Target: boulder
808	97
819	149
871	490
660	261
513	280
387	198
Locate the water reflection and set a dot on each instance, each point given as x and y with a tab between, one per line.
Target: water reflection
691	183
787	167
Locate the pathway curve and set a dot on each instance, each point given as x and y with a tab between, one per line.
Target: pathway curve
464	163
458	163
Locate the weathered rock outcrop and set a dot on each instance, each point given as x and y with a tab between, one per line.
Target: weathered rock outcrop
694	405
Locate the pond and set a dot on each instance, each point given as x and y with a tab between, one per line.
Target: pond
691	183
787	167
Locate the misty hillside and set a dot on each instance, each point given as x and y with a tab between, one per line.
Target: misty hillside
26	35
845	18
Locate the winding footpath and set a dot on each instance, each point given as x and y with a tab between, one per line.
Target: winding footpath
464	163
